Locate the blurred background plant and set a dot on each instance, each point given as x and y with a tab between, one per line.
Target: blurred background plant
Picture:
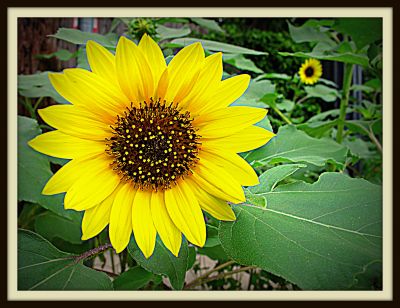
334	125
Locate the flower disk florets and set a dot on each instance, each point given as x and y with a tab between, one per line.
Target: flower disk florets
154	145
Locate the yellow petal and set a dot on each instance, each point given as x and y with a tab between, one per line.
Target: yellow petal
97	92
68	174
154	57
92	188
120	229
101	61
212	205
218	182
233	163
245	140
162	86
209	79
88	91
142	223
185	212
75	121
133	70
169	233
97	218
228	91
227	121
183	72
58	144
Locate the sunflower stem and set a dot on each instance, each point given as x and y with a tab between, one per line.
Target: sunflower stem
92	252
282	115
344	102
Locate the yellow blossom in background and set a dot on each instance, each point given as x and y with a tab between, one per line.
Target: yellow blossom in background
151	145
310	71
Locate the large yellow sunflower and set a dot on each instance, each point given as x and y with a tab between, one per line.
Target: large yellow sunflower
151	145
310	71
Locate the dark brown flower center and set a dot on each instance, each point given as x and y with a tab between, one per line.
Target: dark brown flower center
153	145
309	71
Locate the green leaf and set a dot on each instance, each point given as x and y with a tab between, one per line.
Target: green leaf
78	37
240	62
191	258
168	33
356	28
212	236
274	76
318	129
295	146
359	148
347	57
163	262
133	279
41	266
254	93
320	91
216	46
215	253
268	180
208	24
38	85
61	54
82	61
318	236
285	105
50	226
34	171
307	33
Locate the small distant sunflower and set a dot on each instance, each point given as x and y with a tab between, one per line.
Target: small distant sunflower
310	71
151	145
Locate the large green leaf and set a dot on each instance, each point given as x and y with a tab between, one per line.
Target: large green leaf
308	32
216	46
163	262
328	94
292	145
133	279
75	36
38	85
254	93
320	236
41	266
168	33
208	24
34	171
346	57
62	54
50	226
363	31
240	62
268	181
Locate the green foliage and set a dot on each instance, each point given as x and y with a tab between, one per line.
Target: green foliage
314	221
133	279
292	145
163	262
41	266
319	236
38	85
215	46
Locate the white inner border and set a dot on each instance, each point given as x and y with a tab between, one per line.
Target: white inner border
387	87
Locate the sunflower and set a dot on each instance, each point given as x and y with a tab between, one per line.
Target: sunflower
151	145
310	71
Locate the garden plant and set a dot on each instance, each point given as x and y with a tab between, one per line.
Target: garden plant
204	154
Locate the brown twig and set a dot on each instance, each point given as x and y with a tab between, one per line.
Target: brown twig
92	252
206	274
219	276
